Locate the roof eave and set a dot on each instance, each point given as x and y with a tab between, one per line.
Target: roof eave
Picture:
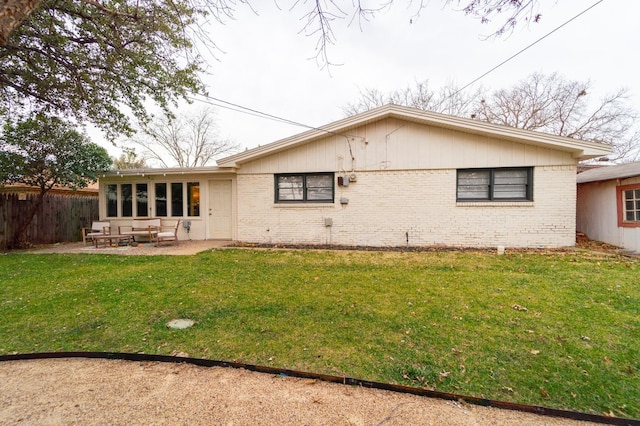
166	171
581	150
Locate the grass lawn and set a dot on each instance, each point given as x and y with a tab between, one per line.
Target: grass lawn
560	330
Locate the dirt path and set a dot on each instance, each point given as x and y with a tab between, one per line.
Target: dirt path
90	391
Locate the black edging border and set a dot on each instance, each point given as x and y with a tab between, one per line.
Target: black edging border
543	411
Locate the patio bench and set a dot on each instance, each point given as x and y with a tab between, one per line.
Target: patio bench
97	229
168	233
141	228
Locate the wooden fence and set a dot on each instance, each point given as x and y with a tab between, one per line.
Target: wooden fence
60	218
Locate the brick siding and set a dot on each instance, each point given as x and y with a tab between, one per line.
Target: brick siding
415	208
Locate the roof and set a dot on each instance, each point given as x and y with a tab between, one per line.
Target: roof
579	149
90	190
619	171
164	171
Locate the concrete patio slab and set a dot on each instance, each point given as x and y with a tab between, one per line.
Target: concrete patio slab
187	247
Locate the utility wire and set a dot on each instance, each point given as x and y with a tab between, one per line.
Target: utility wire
250	111
221	103
242	110
527	48
256	113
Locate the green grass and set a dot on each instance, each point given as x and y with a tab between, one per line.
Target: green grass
439	320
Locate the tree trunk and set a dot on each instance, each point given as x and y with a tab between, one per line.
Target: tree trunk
12	13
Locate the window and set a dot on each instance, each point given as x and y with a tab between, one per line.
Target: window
126	195
304	188
193	198
161	199
176	199
142	200
157	199
508	184
629	205
112	200
632	205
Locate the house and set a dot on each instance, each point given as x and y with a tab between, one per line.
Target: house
392	176
608	206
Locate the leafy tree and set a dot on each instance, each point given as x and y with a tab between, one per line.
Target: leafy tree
45	152
129	160
184	141
12	13
97	60
545	103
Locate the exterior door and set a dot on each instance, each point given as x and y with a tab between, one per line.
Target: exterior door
220	217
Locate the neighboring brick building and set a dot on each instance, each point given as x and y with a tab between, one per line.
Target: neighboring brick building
392	176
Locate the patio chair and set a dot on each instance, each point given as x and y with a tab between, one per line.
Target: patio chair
97	228
168	233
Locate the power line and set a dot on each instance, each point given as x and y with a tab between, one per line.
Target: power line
241	110
246	110
526	48
221	103
256	113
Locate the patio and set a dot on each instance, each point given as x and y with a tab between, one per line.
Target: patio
184	247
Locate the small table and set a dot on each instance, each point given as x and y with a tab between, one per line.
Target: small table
111	238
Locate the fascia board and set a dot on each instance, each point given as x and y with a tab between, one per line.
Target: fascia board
173	171
579	148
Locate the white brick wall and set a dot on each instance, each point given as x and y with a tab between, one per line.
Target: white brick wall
387	208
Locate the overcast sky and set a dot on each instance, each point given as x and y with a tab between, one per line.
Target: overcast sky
265	64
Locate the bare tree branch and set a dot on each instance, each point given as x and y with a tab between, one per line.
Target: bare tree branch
447	100
552	104
517	12
183	141
543	103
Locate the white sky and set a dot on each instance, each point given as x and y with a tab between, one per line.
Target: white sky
266	63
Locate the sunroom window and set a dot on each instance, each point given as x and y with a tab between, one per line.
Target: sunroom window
112	200
126	195
142	200
159	199
176	199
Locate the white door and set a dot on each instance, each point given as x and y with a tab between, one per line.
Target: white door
220	218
